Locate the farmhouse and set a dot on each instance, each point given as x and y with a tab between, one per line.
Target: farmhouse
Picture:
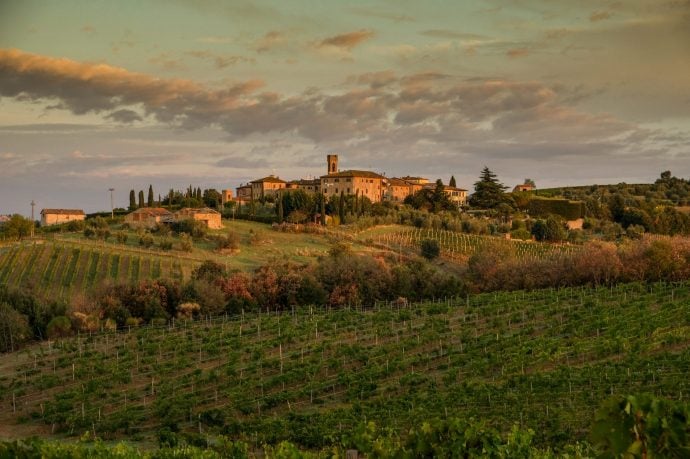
57	216
527	186
148	217
457	196
208	216
4	219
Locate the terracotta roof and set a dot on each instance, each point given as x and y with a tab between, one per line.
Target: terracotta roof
63	211
191	210
270	179
453	188
355	173
4	218
306	182
398	182
156	211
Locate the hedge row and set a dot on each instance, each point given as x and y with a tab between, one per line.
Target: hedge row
569	210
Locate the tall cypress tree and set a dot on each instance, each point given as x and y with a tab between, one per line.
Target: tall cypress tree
341	208
280	209
323	209
452	182
141	198
132	200
150	199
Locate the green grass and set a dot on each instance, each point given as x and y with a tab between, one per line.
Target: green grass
543	359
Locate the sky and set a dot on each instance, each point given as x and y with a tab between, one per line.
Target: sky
101	94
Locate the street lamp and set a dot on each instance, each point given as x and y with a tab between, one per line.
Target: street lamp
112	210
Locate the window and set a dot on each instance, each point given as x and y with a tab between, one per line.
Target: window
348	191
348	180
337	180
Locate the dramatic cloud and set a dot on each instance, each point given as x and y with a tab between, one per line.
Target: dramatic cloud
220	61
346	41
124	116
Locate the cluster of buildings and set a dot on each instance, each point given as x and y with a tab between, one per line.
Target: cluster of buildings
376	187
146	217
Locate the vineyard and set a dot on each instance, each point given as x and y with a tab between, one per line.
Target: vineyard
543	360
459	246
63	270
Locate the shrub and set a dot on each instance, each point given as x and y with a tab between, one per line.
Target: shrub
430	249
59	327
121	237
165	244
185	242
146	240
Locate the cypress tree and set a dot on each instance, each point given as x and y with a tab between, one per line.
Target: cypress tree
280	209
150	200
356	209
132	200
141	198
341	208
452	182
323	209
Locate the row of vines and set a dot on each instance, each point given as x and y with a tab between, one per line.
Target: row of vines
456	245
55	270
543	359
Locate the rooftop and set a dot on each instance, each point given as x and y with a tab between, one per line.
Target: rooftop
63	211
355	173
269	179
156	211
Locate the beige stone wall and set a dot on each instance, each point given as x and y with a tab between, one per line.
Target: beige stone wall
398	193
56	219
369	187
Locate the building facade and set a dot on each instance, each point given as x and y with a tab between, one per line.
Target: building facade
243	193
148	217
210	217
57	216
267	186
354	182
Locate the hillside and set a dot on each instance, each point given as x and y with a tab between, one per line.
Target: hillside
543	360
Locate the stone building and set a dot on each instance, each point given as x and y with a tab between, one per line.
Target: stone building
225	196
210	217
148	217
243	193
267	186
57	216
311	186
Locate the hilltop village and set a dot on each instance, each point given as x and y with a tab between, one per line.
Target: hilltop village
376	187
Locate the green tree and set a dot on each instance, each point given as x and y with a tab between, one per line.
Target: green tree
141	198
430	249
488	191
341	208
323	209
14	328
279	210
132	200
17	228
452	182
212	198
150	197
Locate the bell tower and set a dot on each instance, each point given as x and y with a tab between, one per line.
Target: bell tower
332	163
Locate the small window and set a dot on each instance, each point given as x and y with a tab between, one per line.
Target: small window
337	180
348	191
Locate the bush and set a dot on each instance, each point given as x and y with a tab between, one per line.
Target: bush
430	249
165	244
185	242
146	240
121	237
569	210
59	327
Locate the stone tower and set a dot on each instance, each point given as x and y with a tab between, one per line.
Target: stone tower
332	163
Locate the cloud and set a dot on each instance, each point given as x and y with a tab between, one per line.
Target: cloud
167	62
89	30
124	116
517	52
240	162
85	88
599	16
270	41
220	61
346	41
452	34
374	79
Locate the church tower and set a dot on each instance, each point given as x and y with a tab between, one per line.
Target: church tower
332	163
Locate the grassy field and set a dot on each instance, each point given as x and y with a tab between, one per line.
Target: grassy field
543	360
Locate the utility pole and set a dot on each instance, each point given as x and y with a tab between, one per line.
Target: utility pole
112	210
33	224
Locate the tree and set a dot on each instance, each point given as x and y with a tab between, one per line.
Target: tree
150	200
529	181
212	198
141	198
341	208
14	328
132	200
430	249
452	182
17	228
488	191
279	209
323	209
